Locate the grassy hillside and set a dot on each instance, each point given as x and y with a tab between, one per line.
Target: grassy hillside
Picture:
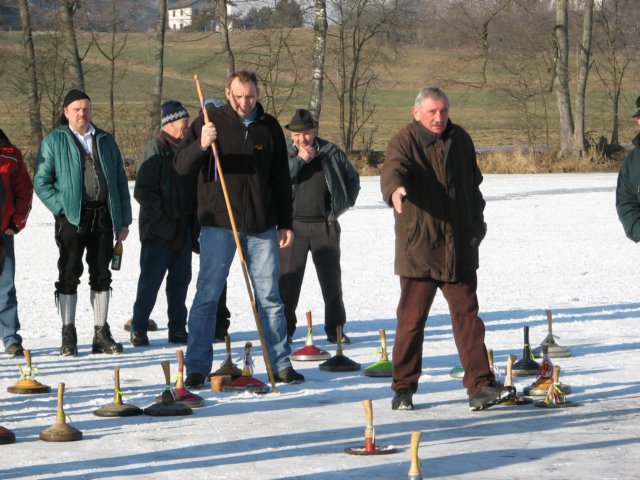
492	117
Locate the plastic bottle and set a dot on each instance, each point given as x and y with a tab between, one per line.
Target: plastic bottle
116	260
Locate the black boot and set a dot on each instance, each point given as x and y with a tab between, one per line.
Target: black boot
69	346
103	342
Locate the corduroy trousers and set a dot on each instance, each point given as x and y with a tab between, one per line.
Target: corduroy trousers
416	298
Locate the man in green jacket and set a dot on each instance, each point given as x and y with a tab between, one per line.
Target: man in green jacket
324	185
628	189
81	179
431	179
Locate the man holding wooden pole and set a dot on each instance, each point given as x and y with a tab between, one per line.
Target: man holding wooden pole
253	156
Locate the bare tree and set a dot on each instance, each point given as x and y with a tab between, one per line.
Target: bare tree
156	101
618	33
223	25
355	58
112	50
476	19
275	63
53	81
319	49
35	121
67	9
569	143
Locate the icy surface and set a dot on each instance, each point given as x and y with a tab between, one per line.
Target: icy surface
554	242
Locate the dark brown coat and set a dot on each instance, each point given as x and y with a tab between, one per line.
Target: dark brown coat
442	222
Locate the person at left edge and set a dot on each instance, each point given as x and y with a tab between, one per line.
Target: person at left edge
18	193
80	178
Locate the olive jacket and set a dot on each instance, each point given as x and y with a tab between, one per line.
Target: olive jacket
442	221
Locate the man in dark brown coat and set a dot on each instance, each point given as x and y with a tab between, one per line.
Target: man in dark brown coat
431	179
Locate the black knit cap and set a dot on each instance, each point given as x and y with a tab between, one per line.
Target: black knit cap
74	95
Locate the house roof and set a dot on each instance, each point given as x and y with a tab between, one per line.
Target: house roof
186	3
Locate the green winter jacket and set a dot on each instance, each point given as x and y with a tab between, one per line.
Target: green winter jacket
58	176
342	178
628	193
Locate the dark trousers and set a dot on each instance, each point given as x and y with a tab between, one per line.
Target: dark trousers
156	261
322	239
416	298
95	235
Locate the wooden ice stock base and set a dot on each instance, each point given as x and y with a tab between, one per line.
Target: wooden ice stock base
60	431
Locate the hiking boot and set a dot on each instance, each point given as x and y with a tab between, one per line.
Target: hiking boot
14	350
69	346
194	380
490	395
103	342
402	400
139	339
288	375
334	339
179	338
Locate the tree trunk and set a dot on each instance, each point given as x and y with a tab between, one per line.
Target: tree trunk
224	36
319	48
583	73
112	84
35	121
67	9
561	38
156	101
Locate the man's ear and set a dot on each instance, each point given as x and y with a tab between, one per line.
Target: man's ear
416	113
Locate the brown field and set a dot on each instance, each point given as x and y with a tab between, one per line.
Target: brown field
493	119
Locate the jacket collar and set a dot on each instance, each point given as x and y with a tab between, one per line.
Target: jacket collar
427	137
230	112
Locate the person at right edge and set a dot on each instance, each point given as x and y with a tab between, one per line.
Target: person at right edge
431	178
628	188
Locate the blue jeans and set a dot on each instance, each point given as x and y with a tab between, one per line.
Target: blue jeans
155	261
9	324
217	249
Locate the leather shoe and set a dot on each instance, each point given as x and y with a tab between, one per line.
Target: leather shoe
179	338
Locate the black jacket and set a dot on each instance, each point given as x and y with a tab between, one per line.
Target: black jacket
167	200
255	168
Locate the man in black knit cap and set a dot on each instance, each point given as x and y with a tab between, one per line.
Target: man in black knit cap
80	178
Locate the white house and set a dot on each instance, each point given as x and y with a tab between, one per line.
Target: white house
181	14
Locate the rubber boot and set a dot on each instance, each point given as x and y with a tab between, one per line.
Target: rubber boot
103	342
67	308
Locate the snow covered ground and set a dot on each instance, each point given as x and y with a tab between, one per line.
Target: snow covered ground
554	241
